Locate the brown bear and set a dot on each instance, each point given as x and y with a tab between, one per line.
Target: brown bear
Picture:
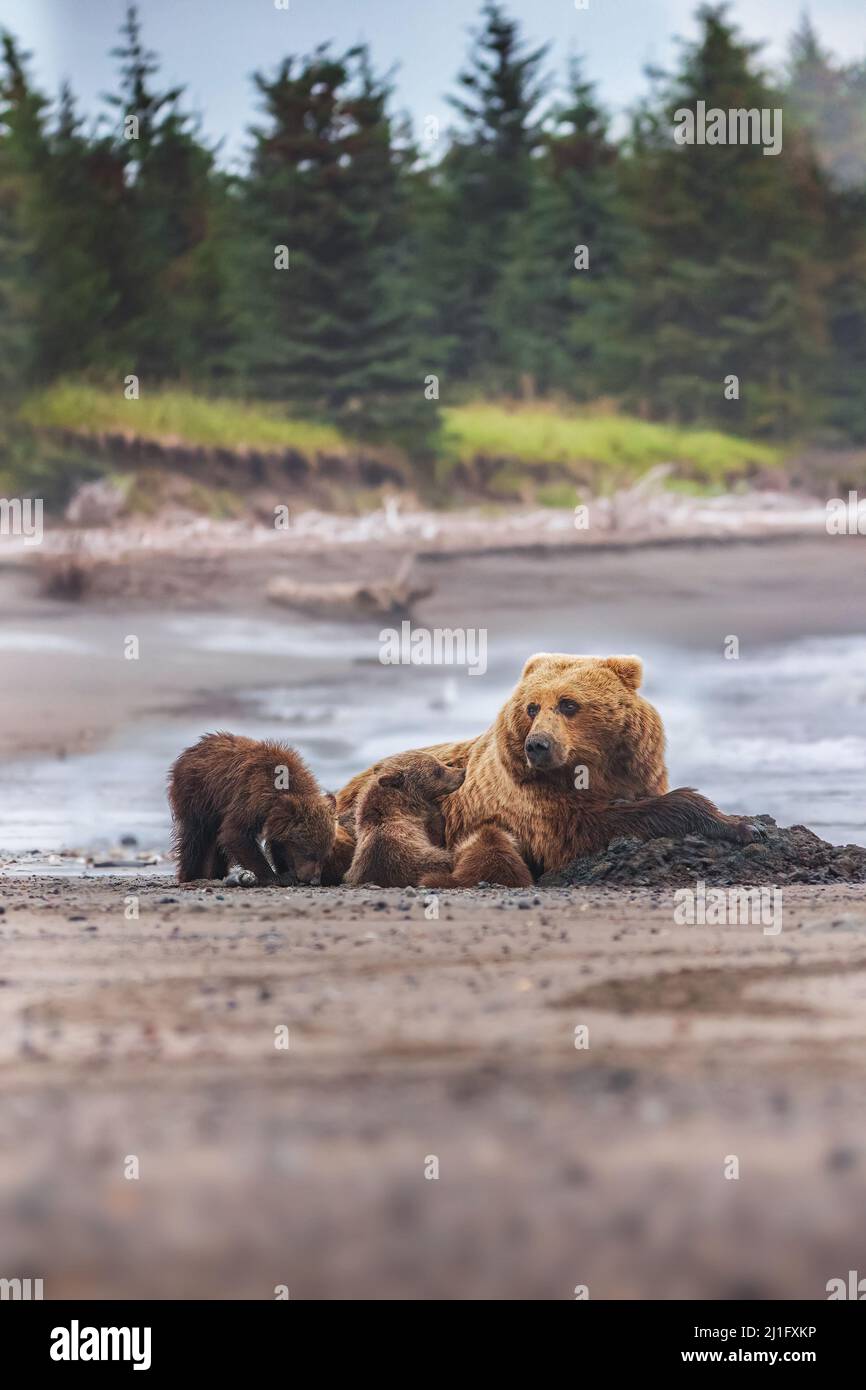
573	759
488	855
398	818
228	793
336	863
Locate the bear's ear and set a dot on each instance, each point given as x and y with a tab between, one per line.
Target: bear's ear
331	799
628	668
534	662
392	779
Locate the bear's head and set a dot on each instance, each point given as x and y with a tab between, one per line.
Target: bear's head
305	826
408	784
570	712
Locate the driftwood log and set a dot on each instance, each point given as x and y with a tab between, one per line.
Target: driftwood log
387	598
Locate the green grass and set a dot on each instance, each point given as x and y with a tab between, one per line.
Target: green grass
177	417
540	449
601	445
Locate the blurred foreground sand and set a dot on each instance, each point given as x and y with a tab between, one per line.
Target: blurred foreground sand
412	1038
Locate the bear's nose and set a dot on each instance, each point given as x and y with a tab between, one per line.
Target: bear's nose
538	743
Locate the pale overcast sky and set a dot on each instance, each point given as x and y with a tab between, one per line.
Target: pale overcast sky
213	45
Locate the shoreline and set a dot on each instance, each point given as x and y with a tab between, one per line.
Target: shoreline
87	736
679	595
631	519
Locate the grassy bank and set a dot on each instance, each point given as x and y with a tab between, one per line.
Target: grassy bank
535	451
613	447
177	417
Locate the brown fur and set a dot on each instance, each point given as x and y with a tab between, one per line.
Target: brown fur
489	855
224	801
396	819
614	733
336	864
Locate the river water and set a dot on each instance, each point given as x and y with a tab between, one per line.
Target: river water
782	732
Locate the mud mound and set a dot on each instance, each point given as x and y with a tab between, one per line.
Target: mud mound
795	855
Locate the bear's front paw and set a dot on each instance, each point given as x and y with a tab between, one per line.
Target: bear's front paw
745	831
287	879
240	878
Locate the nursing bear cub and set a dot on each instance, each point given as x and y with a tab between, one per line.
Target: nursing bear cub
574	759
229	793
399	823
400	827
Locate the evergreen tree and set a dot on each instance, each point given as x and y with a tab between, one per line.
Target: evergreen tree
728	277
75	300
162	230
22	154
827	101
487	183
827	104
333	324
844	399
564	255
126	248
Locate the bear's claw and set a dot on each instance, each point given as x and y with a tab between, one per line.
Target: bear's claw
748	832
240	878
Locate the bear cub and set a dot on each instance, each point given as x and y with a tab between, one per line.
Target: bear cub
396	820
489	855
228	793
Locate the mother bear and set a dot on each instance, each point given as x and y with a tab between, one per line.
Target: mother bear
574	758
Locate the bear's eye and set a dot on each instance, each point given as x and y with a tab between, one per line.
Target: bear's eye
532	710
568	707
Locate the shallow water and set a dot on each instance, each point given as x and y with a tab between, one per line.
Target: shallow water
782	730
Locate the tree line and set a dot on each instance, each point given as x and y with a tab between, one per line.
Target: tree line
354	269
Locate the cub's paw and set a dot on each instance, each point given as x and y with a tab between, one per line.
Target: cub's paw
240	878
287	879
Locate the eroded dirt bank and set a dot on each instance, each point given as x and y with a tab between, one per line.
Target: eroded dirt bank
412	1038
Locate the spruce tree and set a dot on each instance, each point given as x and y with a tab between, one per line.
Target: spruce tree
22	159
564	255
487	184
163	227
826	102
727	279
75	300
332	322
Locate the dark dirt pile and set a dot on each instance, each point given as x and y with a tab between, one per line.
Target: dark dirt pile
795	855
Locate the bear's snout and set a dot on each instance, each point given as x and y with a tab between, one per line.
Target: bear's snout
309	871
542	751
